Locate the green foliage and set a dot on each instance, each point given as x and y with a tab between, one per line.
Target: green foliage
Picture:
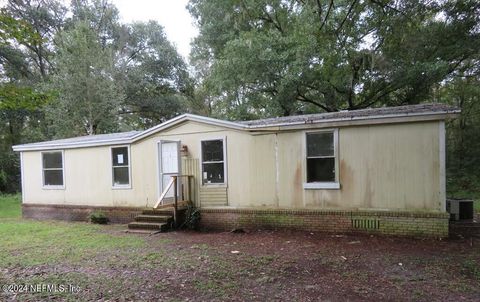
9	172
153	76
275	57
45	19
26	30
192	218
13	97
270	57
16	29
98	218
84	79
76	70
463	145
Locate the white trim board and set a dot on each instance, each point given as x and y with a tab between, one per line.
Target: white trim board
225	162
53	187
120	187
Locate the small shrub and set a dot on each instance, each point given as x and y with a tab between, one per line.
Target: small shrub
192	218
98	218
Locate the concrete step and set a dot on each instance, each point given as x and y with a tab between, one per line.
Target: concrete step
169	204
162	212
137	225
154	218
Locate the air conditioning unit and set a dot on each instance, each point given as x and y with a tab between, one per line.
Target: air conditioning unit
460	209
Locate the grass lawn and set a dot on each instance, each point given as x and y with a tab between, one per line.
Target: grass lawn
10	206
103	263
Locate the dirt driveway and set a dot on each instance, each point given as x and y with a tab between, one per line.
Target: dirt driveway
260	266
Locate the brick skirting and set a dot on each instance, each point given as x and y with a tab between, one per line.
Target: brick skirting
78	213
402	223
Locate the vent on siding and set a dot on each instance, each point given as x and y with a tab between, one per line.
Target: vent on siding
366	224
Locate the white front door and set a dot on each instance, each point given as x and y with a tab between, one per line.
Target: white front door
169	152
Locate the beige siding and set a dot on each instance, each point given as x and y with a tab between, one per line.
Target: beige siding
191	167
381	167
395	166
239	162
88	179
213	196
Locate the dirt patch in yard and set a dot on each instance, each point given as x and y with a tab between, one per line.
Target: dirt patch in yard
260	266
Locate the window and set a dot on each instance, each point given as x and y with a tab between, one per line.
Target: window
321	160
52	165
121	167
213	162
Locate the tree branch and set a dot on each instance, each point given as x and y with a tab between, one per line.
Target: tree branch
346	16
303	98
328	13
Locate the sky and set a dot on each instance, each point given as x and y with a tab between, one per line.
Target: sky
172	14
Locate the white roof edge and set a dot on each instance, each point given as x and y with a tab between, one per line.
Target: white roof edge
189	117
118	141
39	147
360	118
210	121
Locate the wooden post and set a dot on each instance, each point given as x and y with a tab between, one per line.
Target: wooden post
189	194
183	191
175	193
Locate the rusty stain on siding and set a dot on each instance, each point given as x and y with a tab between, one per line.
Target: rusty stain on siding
367	196
298	186
347	181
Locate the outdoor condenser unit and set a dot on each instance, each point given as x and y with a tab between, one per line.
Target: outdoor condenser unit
460	209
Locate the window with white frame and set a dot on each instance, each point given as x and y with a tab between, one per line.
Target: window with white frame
52	165
120	167
213	161
321	157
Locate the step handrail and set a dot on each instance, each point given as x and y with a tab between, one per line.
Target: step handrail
165	191
174	182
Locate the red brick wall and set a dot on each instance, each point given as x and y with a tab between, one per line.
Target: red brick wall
418	224
78	213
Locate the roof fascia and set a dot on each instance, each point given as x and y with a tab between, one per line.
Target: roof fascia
111	142
168	124
189	117
365	120
378	119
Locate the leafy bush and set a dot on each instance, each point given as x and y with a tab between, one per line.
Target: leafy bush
9	172
99	218
192	218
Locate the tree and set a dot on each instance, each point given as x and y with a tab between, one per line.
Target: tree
276	57
76	70
463	145
19	103
88	97
45	19
153	75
